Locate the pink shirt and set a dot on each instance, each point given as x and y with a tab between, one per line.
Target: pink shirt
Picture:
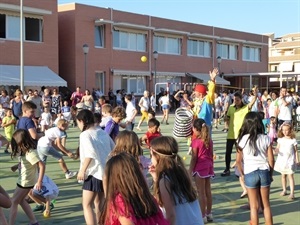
204	154
113	219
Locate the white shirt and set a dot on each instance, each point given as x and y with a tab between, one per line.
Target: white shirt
258	160
164	100
95	144
46	118
285	112
50	135
130	110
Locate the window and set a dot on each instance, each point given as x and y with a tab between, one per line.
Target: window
251	54
227	51
100	81
99	36
129	41
199	48
135	84
2	26
168	45
33	29
10	28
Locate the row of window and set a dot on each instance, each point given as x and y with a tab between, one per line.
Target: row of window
172	45
10	28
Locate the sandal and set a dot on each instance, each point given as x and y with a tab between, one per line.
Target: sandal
283	193
244	194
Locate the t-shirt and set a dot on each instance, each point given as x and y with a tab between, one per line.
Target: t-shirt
255	159
204	154
50	135
119	201
112	128
38	102
130	109
25	123
28	169
65	109
10	128
237	116
285	112
97	145
151	136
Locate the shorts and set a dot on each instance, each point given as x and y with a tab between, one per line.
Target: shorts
44	152
204	173
257	179
165	106
92	184
30	187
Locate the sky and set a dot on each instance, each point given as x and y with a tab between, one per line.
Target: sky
254	16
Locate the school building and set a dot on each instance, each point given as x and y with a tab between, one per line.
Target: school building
184	52
93	47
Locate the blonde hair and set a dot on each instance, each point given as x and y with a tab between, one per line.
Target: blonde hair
62	122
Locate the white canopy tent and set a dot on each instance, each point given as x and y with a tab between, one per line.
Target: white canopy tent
33	76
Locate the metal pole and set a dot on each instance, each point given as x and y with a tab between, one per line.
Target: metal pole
85	69
154	88
21	48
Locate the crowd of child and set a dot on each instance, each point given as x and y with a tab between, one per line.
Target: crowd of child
113	170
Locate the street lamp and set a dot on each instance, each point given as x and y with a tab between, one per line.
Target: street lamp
219	60
155	56
85	49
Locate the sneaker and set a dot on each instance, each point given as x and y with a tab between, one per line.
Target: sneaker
209	217
70	174
38	208
225	173
6	151
204	220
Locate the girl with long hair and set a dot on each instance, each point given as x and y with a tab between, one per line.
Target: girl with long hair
94	148
127	197
255	151
128	141
172	184
23	147
202	166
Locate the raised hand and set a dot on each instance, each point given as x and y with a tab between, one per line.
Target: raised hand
213	74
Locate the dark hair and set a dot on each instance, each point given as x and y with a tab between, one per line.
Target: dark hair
124	177
238	94
153	122
128	97
199	125
87	117
170	168
97	118
21	142
253	126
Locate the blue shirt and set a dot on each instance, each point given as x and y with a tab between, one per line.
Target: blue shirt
112	128
25	123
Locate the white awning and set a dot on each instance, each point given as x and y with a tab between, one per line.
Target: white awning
286	66
169	74
206	78
131	73
33	76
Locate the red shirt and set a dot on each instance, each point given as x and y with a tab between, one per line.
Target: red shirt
151	136
113	219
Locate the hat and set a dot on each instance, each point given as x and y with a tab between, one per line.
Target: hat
200	88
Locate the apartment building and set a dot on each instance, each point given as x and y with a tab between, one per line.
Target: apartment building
115	41
284	58
40	43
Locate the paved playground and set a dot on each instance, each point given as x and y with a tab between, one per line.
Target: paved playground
226	190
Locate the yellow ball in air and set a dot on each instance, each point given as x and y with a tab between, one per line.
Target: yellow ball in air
144	59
